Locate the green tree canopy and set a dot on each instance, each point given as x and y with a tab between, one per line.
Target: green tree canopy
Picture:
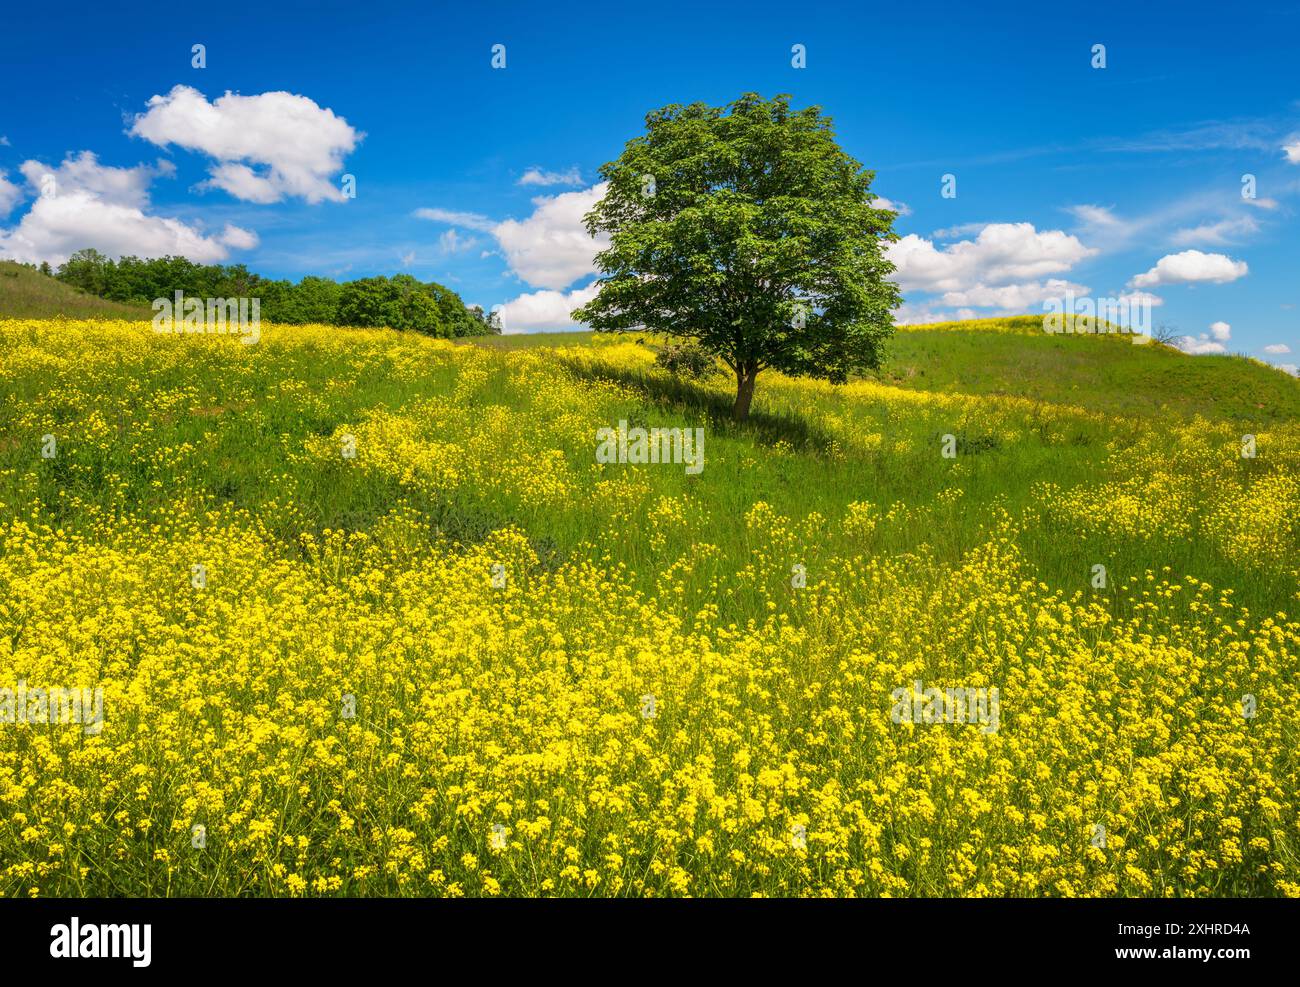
400	302
747	229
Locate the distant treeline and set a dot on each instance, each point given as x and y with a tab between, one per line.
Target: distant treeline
401	302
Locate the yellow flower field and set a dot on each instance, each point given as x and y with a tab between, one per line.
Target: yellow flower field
466	659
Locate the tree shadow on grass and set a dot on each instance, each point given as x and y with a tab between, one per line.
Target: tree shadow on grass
667	390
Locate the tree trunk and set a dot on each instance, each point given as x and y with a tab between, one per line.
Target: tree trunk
745	377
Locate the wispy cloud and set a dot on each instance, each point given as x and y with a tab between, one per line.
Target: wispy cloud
1213	216
536	176
469	220
1207	135
1192	267
1224	231
452	242
1260	134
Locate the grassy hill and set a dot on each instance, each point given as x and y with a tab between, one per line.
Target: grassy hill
1103	373
366	606
26	293
1014	357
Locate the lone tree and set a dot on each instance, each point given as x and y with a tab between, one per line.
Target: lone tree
747	229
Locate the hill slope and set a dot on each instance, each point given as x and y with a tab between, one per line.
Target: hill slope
1013	357
1104	373
371	608
28	294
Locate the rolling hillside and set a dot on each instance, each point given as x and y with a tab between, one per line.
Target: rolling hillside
28	294
1103	373
369	608
1013	357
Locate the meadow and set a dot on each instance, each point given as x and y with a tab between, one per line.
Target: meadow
28	294
370	619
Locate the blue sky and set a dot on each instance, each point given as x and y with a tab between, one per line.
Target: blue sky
1101	181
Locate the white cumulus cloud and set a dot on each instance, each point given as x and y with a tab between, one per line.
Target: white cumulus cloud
82	203
549	249
1200	345
1190	267
1211	342
1277	349
10	194
58	225
84	173
924	313
267	146
1001	267
1001	254
238	238
1013	297
545	310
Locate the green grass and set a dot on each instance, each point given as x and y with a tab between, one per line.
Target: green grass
1014	358
1110	374
240	444
1091	394
530	340
26	293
